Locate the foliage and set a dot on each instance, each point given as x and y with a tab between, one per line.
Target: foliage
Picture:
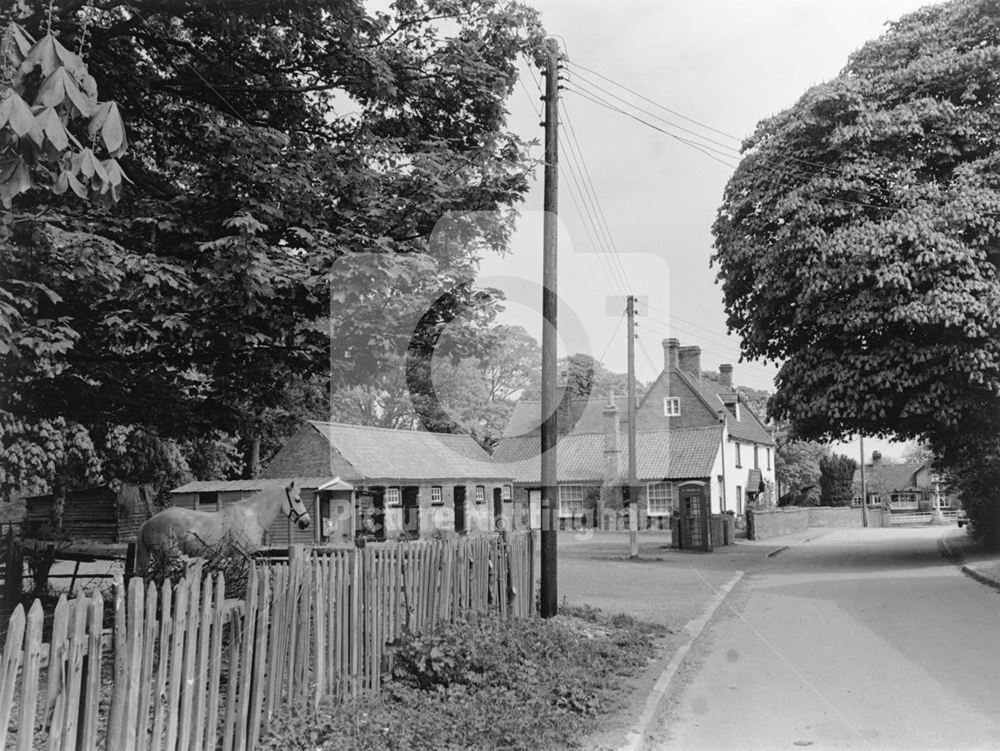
38	456
290	162
796	463
228	557
488	682
836	479
48	110
857	241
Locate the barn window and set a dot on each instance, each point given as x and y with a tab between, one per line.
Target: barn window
208	502
392	497
437	498
480	494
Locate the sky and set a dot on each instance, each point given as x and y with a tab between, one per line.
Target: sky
651	198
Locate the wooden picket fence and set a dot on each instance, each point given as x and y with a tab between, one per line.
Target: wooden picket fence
182	668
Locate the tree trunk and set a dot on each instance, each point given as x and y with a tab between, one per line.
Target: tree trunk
251	459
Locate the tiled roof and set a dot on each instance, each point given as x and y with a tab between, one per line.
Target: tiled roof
673	454
365	453
891	477
247	486
749	427
579	415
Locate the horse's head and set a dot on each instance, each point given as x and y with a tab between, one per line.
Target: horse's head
297	510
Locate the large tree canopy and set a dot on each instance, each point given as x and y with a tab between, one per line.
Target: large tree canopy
290	159
858	240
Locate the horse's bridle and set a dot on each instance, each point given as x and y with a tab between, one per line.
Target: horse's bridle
292	513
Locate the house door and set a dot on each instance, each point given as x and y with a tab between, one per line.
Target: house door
458	494
695	517
411	510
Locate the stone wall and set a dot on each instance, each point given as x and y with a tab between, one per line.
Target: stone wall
775	522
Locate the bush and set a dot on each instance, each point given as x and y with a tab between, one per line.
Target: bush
836	480
484	683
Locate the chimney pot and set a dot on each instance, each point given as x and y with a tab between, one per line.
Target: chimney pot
689	360
670	348
726	375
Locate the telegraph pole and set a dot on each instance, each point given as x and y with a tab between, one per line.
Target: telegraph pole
633	491
864	489
550	403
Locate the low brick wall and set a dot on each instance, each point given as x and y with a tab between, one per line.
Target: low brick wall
775	522
836	516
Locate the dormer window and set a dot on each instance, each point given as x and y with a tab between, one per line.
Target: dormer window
671	406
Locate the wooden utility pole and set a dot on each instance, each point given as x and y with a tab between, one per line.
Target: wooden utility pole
633	491
864	489
550	399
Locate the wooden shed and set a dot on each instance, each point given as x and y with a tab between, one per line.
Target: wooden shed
102	513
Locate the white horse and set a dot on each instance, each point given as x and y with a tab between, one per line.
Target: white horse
238	526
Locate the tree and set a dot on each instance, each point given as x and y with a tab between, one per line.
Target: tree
857	241
796	463
836	479
290	161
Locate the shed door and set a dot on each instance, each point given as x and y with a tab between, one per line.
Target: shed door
458	493
411	510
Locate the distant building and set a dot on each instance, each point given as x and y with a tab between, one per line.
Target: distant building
694	437
908	486
398	480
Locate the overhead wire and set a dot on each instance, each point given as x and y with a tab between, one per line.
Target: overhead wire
785	164
609	247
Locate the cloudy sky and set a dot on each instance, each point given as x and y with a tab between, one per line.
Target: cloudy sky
725	64
652	198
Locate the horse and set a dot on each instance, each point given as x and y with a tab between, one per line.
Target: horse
238	526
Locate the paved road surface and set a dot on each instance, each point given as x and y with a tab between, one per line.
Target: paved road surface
858	639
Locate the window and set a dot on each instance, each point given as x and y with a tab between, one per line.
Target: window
739	499
671	406
900	501
659	499
769	457
480	494
756	457
507	493
437	498
207	501
739	461
570	500
392	497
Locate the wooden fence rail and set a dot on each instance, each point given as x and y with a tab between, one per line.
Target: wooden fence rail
186	669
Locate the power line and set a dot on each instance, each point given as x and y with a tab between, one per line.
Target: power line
610	247
654	103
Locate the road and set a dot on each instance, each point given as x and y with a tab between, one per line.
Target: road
860	639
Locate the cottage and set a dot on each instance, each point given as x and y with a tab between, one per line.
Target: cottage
905	487
395	481
700	449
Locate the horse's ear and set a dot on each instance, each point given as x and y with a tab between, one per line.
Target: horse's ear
291	486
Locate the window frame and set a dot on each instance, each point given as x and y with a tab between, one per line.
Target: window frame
738	456
671	406
480	495
574	504
393	492
507	493
668	499
439	500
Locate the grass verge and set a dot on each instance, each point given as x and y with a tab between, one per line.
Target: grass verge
486	683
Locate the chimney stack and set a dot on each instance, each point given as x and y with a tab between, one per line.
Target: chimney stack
726	376
612	444
670	347
689	360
